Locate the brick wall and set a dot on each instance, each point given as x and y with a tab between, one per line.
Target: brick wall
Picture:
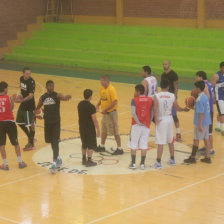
15	15
214	9
161	8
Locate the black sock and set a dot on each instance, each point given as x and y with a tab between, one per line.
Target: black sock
55	148
158	160
172	157
89	159
25	130
83	157
194	151
133	158
143	160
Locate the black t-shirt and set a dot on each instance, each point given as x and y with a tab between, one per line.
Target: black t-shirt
172	77
51	107
27	87
85	111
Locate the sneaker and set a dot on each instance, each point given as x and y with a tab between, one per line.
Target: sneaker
206	160
132	166
218	129
58	162
157	165
172	162
212	153
190	160
28	147
100	149
118	152
90	163
178	138
4	167
222	132
22	165
142	166
53	168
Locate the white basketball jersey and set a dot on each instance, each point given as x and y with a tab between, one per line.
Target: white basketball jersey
165	104
152	86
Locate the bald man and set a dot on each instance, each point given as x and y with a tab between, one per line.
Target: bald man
172	76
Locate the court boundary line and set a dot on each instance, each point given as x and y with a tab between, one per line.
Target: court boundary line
9	220
155	198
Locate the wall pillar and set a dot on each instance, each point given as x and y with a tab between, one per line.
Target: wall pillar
201	13
119	11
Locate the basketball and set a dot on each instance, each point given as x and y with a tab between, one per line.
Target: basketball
194	93
17	97
39	114
190	101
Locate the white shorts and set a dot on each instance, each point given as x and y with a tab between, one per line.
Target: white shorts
220	106
139	137
164	131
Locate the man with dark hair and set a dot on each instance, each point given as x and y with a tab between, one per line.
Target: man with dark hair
141	107
173	79
27	106
109	104
88	125
52	121
202	120
218	83
149	82
201	75
163	104
8	127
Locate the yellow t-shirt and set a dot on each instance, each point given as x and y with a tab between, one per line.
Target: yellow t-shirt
108	96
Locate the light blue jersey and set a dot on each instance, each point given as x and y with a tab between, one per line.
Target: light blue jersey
202	107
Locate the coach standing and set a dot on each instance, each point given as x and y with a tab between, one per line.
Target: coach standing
109	103
173	79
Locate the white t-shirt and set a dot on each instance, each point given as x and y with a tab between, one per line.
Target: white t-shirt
165	104
152	86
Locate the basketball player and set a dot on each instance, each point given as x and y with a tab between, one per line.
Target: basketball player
109	104
164	102
202	121
201	75
88	125
8	127
173	79
218	83
149	82
27	106
141	107
51	102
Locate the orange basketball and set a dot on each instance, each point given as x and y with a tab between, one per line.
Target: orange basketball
16	97
39	114
194	93
190	101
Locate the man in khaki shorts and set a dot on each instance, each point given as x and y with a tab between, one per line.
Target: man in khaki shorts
109	103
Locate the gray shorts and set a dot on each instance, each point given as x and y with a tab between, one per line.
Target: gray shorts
201	135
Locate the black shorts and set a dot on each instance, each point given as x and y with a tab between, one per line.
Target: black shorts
211	125
88	138
8	128
52	132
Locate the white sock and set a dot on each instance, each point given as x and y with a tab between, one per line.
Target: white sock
222	126
54	163
178	130
5	162
20	159
218	124
59	158
211	150
119	148
101	145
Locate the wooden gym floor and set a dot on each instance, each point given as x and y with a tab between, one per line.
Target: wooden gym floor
182	194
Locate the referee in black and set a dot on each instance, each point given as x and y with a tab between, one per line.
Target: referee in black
51	102
88	125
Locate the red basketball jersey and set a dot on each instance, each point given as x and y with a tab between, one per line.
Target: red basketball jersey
143	106
6	108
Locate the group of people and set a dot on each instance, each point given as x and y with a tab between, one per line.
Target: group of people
147	106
